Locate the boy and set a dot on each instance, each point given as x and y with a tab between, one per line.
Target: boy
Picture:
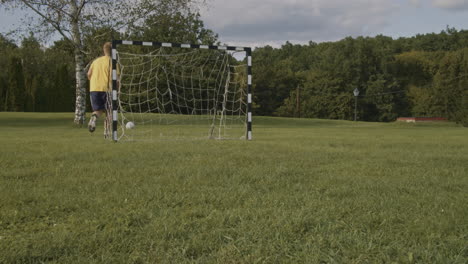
100	82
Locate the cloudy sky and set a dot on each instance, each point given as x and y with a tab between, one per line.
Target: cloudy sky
273	22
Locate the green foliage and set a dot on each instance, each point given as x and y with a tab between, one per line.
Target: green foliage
462	115
448	40
451	84
7	51
176	27
3	94
422	100
35	79
419	76
379	97
274	79
16	88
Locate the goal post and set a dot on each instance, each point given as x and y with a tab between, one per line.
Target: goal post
220	95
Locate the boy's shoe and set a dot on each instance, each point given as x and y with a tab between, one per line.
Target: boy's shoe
92	124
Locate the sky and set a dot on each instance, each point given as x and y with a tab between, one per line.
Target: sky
273	22
257	23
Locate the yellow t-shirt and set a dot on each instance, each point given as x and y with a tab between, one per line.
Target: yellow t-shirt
101	77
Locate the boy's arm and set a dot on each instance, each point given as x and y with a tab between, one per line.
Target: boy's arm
90	72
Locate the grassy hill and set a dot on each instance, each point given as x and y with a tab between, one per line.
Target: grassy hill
303	191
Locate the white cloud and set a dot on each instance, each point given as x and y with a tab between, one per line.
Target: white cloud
415	3
456	5
275	21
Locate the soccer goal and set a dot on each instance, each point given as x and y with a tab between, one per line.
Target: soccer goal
170	90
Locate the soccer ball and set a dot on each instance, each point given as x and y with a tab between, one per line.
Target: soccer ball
129	125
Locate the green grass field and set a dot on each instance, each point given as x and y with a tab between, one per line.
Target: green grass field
304	191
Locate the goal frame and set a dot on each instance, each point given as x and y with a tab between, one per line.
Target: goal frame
116	43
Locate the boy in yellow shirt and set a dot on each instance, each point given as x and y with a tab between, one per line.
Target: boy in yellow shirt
99	75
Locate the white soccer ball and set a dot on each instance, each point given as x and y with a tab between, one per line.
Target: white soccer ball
130	125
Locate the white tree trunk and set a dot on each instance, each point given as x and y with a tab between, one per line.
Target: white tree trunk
80	103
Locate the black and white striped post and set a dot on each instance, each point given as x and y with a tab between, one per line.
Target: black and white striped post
249	93
115	43
114	91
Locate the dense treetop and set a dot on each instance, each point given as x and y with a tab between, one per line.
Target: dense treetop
425	75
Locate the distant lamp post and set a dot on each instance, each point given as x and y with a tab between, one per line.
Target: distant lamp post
356	94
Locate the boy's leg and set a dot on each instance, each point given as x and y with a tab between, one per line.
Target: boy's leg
98	103
92	120
98	113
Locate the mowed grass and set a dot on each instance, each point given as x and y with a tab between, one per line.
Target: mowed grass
303	191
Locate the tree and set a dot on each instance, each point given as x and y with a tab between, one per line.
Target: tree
175	26
73	19
32	57
451	86
7	50
381	99
16	93
63	97
274	79
462	114
3	94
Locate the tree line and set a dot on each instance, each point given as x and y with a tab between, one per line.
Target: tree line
425	76
35	79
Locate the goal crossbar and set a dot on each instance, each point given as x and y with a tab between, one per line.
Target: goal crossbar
115	44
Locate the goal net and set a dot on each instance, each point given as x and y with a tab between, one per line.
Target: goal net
178	91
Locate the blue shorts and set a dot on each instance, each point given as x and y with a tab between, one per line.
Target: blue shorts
99	101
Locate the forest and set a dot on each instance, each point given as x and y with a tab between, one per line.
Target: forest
425	75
